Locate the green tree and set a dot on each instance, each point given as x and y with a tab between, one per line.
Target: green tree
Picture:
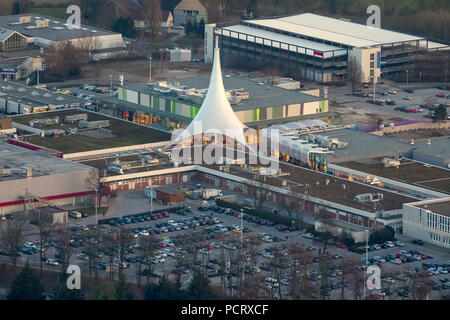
61	292
165	290
189	28
440	114
26	286
199	288
125	26
201	29
122	289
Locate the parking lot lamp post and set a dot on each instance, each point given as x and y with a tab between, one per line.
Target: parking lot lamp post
242	224
96	201
365	264
110	81
151	198
407	78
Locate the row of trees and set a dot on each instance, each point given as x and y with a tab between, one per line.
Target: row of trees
194	28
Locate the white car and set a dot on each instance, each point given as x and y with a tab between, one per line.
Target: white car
399	244
389	244
396	261
268	255
407	98
390	91
144	233
82	256
442	270
52	262
377	247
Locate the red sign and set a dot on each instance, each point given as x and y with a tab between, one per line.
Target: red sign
318	54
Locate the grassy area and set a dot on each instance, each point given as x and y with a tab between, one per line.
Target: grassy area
59	13
264	214
124	133
91	210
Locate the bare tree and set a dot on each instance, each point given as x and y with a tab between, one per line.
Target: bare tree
354	73
146	250
153	16
63	248
89	45
12	233
92	249
45	227
259	191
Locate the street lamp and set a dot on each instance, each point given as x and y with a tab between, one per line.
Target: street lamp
365	263
407	78
96	200
150	69
110	81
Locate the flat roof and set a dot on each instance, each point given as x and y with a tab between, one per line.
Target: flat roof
442	207
124	133
41	164
261	96
334	30
363	145
56	31
285	42
439	148
409	171
35	96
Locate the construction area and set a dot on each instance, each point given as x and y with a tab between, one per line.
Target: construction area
79	130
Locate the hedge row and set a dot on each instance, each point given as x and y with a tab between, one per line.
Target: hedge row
170	210
262	214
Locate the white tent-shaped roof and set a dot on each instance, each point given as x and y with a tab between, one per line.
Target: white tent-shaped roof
216	114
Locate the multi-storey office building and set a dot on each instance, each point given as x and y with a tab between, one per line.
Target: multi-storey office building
318	48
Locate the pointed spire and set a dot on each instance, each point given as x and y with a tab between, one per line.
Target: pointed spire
216	112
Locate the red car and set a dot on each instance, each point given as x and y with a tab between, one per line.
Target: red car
341	245
424	257
375	296
163	244
165	214
159	215
177	272
413	110
441	95
399	255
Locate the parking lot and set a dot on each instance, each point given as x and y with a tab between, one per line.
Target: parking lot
350	103
214	234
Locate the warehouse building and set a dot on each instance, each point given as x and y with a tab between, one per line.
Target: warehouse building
19	68
19	99
17	32
319	48
30	178
428	221
255	104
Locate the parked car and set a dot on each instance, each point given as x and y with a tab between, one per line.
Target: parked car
418	242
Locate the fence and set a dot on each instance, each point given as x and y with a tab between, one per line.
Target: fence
412	125
89	154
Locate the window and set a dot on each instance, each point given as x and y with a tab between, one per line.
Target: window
372	73
372	64
372	56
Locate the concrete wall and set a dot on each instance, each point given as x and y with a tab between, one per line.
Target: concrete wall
410	127
362	56
415	224
44	186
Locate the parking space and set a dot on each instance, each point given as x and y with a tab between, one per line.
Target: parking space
209	238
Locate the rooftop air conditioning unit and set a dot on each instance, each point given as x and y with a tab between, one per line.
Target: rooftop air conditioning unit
26	19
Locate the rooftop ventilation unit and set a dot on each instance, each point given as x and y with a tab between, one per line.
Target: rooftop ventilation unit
26	19
42	23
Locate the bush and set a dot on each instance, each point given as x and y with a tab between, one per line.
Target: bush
382	235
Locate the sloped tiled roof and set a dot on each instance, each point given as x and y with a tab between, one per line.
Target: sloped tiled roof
190	5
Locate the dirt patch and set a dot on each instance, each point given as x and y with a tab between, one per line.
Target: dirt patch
420	134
